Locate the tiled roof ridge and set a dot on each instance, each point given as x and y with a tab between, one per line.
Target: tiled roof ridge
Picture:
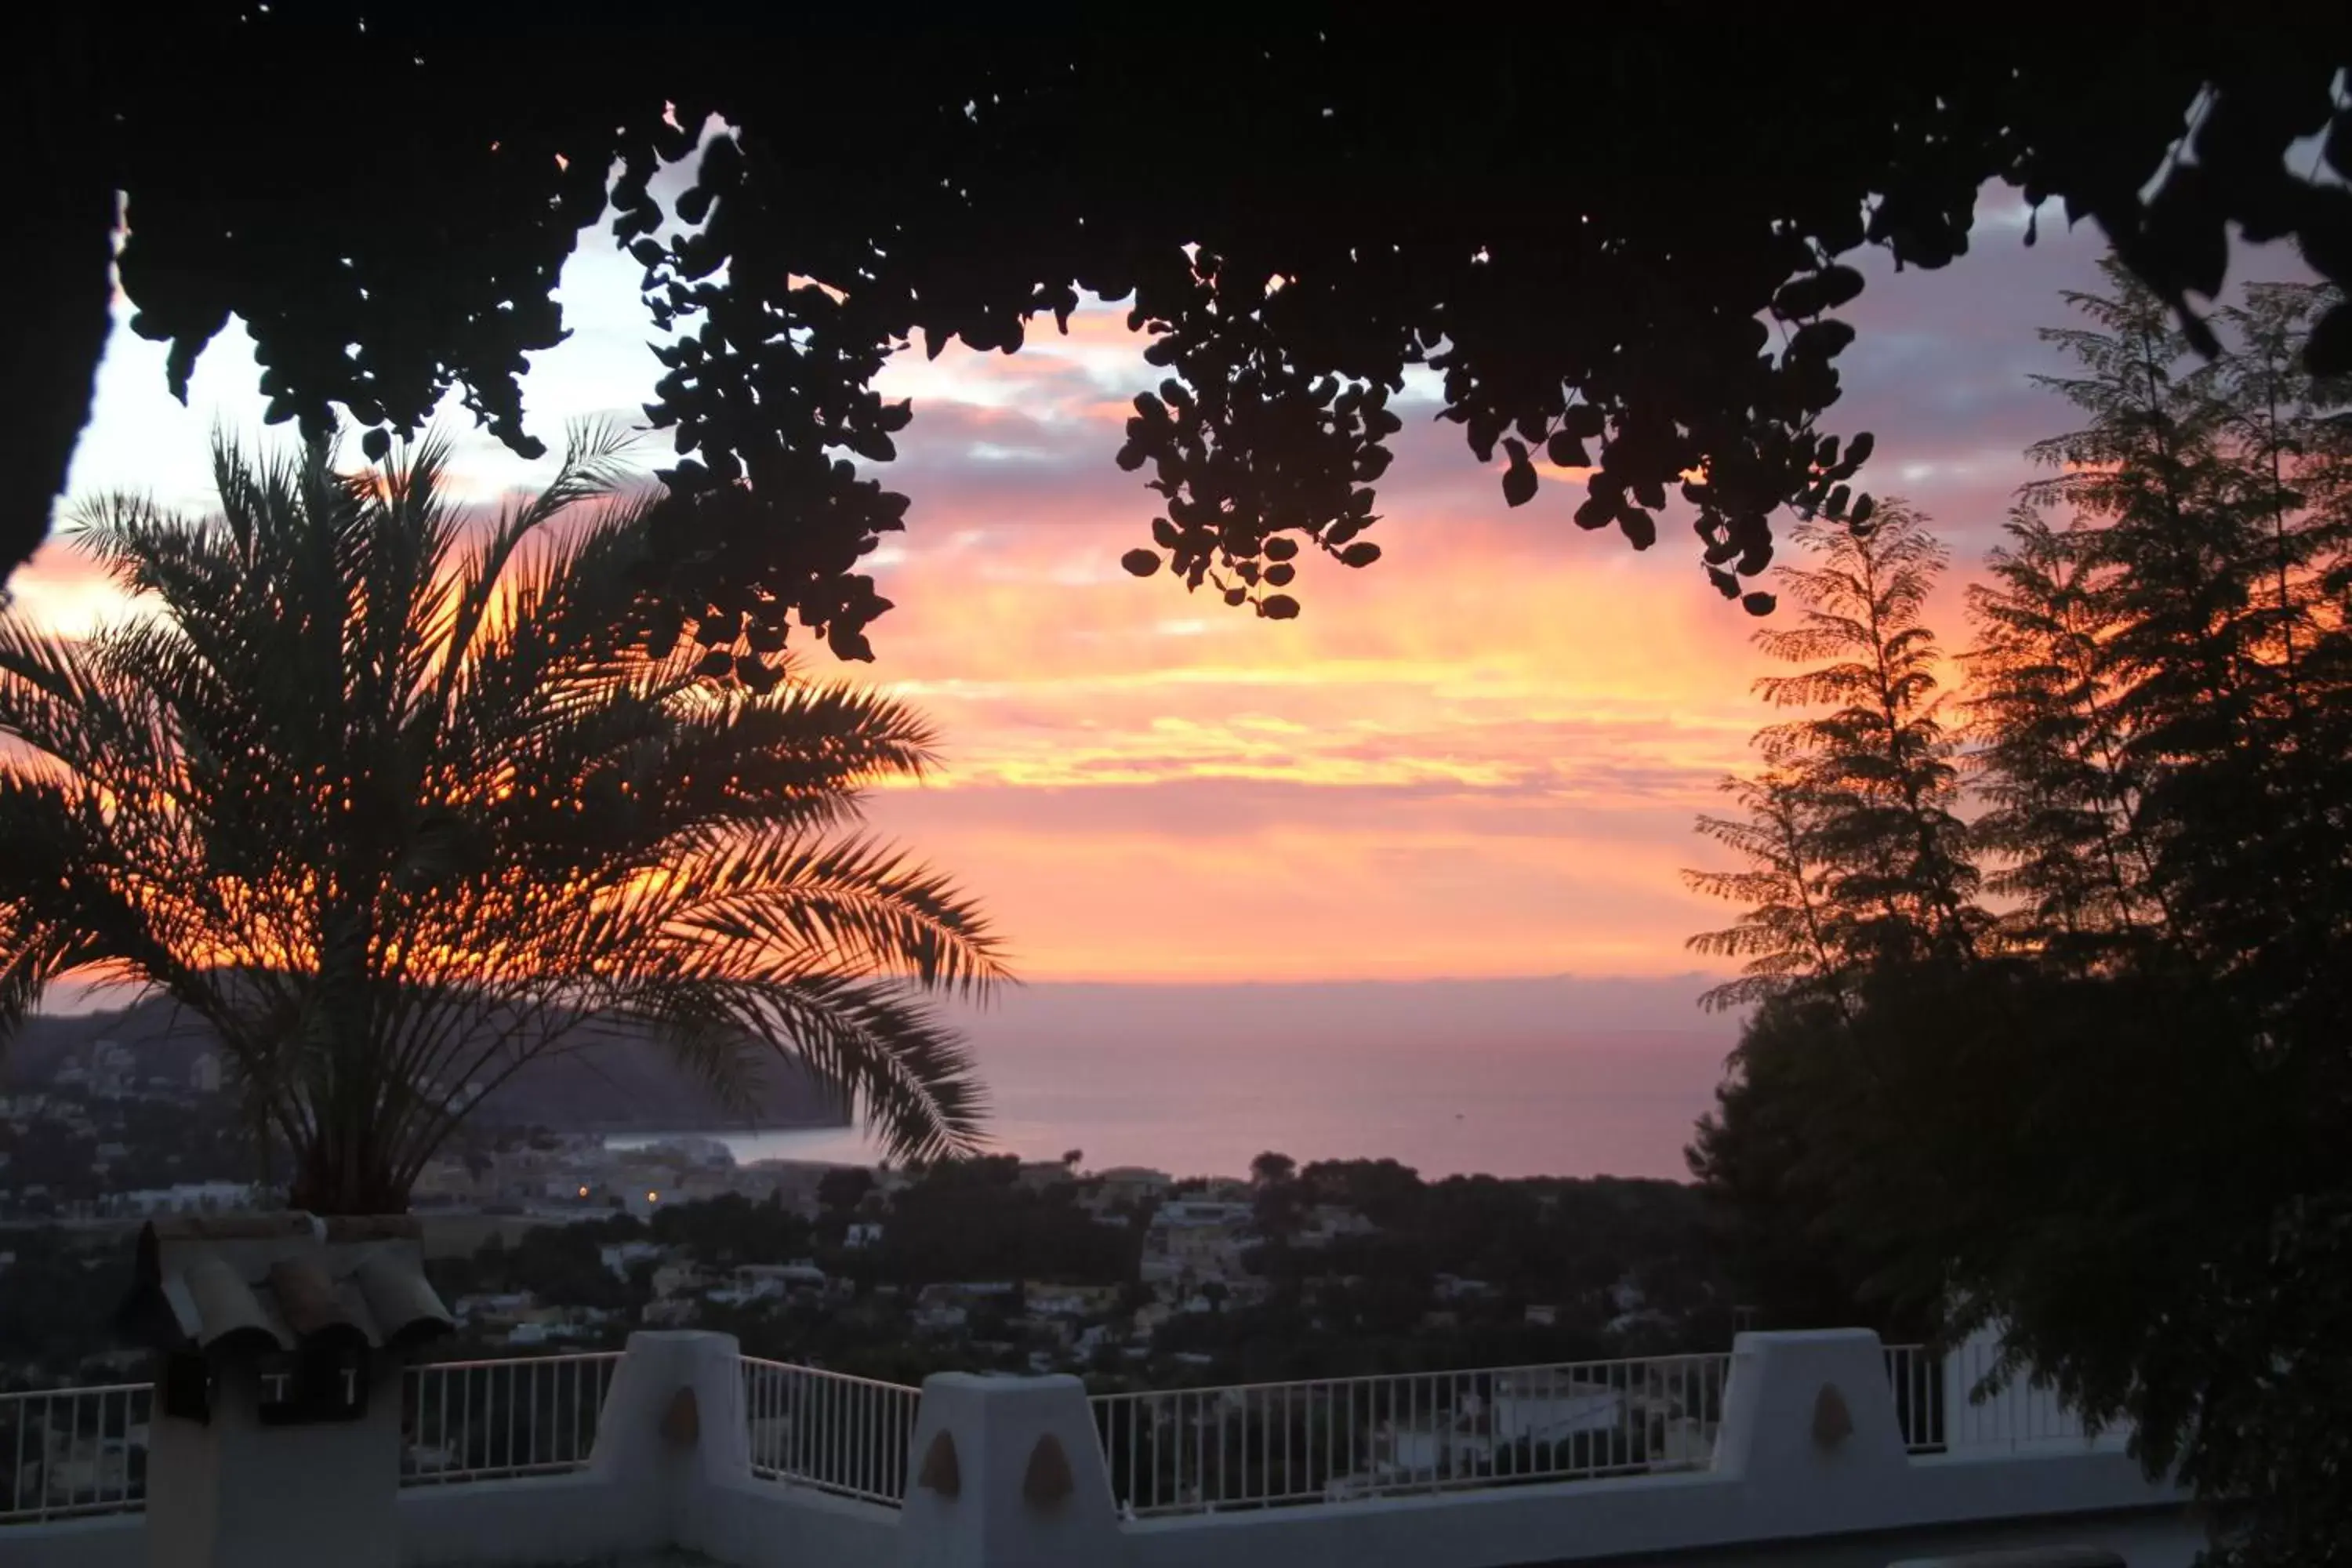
284	1281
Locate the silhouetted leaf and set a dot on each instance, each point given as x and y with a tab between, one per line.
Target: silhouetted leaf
1816	292
1140	563
1363	553
2329	350
1841	283
1275	406
1758	603
1278	607
1820	340
1518	476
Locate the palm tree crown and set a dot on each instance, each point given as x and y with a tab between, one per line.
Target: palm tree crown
397	804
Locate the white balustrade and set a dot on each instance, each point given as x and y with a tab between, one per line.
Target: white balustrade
66	1452
483	1420
1917	1375
1337	1439
823	1429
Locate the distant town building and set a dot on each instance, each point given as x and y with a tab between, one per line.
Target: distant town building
678	1277
187	1197
673	1313
1182	1212
1131	1185
1048	1300
1042	1175
800	1273
622	1256
643	1201
939	1318
1204	1245
1326	1222
205	1073
695	1149
794	1188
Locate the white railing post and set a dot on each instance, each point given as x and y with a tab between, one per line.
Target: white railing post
1809	1425
230	1489
672	1421
1006	1470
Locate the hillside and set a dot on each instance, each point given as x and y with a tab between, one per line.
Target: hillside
620	1082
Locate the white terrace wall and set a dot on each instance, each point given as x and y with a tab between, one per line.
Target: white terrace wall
1773	1486
1794	1482
114	1541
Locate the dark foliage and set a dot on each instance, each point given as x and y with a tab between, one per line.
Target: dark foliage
59	1295
967	1220
2113	1122
1619	238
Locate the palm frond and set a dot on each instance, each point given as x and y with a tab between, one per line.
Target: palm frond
396	806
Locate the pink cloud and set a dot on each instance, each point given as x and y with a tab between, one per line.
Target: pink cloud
1481	756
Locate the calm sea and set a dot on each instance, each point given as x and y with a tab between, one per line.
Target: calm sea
1198	1085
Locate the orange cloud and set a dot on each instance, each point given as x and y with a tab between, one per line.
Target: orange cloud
62	591
1479	757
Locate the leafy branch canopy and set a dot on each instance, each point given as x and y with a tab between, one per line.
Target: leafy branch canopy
1620	241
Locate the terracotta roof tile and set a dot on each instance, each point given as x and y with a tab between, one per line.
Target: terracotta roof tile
281	1281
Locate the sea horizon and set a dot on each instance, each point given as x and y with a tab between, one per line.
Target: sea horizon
1547	1077
1525	1076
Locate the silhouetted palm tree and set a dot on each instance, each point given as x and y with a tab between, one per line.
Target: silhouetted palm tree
397	804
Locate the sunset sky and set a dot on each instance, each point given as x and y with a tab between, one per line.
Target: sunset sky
1480	757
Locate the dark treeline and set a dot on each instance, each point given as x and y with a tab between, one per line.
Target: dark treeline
2052	974
1614	1267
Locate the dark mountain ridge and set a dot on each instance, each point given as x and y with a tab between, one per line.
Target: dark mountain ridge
617	1080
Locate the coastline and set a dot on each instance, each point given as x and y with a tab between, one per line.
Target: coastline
640	1131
